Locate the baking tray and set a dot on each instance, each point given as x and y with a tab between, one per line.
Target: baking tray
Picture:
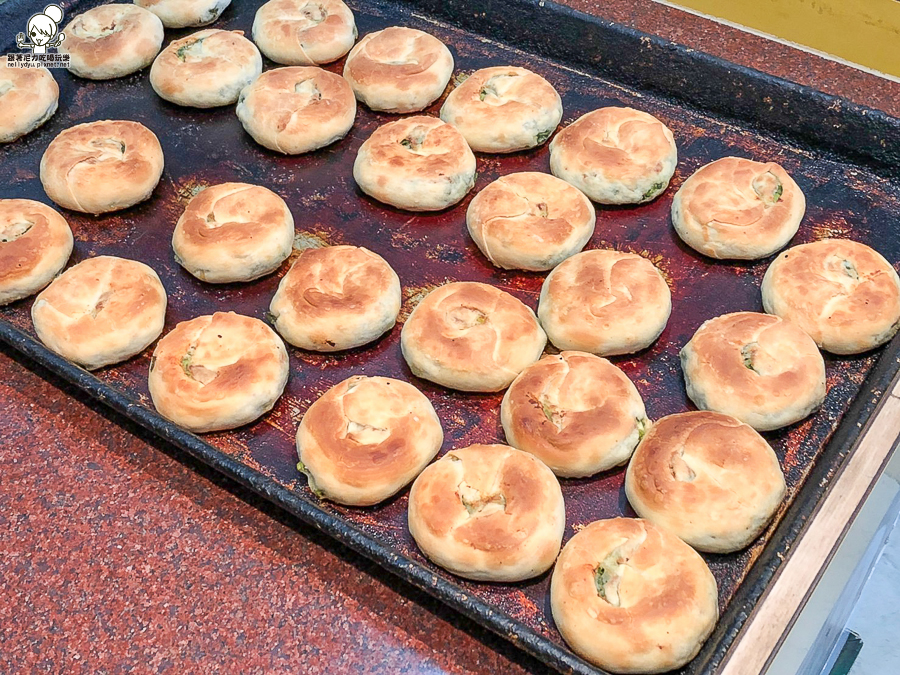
843	156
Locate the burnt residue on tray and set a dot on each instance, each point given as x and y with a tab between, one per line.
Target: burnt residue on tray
205	147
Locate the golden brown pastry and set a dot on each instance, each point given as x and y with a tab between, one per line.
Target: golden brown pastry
398	70
615	155
576	412
605	302
206	69
471	336
233	232
304	32
707	478
488	512
632	598
416	163
336	297
219	371
366	438
503	109
111	41
845	295
185	13
297	110
530	221
102	166
736	208
28	98
758	368
35	244
101	311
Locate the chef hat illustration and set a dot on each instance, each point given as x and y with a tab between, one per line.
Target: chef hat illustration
43	27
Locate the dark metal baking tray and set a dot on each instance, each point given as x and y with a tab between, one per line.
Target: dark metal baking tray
844	157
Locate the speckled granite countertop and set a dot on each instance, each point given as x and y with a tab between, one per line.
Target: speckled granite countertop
121	554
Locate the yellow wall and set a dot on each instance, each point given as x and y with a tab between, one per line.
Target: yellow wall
866	32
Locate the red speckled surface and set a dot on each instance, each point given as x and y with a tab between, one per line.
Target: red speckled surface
207	575
121	554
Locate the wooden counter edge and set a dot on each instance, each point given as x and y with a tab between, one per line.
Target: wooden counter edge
787	594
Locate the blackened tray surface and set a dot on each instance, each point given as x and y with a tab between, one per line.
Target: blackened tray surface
207	147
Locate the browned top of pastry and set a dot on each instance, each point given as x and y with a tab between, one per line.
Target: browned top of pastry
294	98
102	153
568	401
632	597
532	209
367	431
471	326
216	357
105	33
210	53
835	289
333	280
486	497
755	358
25	94
416	145
596	289
737	194
89	299
29	230
301	22
491	95
401	57
703	465
620	143
230	214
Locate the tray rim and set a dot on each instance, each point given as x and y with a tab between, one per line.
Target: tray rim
795	521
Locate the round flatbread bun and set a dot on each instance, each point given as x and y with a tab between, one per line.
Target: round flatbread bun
605	302
296	110
216	372
111	41
102	166
632	598
366	438
337	297
185	13
35	244
470	336
488	512
304	32
503	109
576	412
530	221
845	295
103	310
28	98
759	368
615	156
707	478
738	209
416	163
206	69
399	70
233	232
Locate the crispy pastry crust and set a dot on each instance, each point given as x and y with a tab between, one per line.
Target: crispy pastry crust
845	295
707	478
488	512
